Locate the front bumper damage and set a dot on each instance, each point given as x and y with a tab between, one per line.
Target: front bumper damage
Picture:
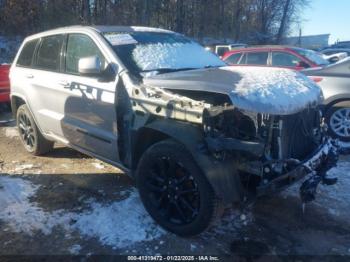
315	167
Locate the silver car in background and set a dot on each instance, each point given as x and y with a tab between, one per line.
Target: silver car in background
334	81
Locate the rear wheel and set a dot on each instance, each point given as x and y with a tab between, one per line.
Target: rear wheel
34	142
338	120
174	191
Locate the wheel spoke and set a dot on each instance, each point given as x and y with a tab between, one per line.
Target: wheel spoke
156	177
21	126
181	180
186	204
181	213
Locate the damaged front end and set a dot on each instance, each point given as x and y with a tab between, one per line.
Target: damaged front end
242	152
272	152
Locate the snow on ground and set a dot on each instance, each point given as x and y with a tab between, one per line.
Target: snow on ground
335	198
273	90
19	213
120	224
11	132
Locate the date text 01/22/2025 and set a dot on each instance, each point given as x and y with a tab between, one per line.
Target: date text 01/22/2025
172	258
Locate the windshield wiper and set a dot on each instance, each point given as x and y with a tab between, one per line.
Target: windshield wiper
168	70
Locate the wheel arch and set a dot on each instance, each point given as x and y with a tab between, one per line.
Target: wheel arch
16	102
330	102
221	174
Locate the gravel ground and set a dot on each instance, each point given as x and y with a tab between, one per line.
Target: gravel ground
68	203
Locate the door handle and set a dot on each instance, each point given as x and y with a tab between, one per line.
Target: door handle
65	84
30	76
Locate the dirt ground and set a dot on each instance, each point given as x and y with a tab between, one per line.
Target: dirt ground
68	203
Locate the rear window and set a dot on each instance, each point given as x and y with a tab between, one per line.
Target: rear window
233	59
26	56
312	56
48	57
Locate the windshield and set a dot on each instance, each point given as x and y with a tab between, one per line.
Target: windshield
156	52
312	56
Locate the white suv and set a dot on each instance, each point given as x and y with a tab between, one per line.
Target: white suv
194	133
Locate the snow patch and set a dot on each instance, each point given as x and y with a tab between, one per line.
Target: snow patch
336	198
273	90
75	249
118	224
98	165
11	132
20	214
176	55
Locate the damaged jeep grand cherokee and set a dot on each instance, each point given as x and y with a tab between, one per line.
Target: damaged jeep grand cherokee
195	134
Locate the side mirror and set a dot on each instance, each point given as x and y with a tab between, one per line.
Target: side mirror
90	65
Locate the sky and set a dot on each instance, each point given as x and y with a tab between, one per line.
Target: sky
327	17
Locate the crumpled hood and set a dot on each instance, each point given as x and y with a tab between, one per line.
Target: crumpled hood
256	89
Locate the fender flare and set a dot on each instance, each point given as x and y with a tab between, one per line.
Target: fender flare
222	175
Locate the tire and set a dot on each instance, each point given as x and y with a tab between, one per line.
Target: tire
174	190
34	142
338	121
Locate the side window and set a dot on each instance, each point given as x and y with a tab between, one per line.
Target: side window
80	46
26	56
257	58
233	59
285	59
48	57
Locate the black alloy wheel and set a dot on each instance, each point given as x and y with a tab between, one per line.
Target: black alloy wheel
174	190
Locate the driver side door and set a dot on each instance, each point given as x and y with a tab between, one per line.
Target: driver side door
89	121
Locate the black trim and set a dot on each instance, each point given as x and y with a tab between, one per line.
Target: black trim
84	132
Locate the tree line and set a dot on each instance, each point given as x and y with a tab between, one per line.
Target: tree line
251	21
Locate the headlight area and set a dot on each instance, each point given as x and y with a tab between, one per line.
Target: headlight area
270	152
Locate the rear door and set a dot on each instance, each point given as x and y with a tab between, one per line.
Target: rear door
89	112
34	77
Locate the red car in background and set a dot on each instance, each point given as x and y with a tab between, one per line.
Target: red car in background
275	56
4	83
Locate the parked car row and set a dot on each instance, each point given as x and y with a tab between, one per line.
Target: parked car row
333	79
334	55
275	56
